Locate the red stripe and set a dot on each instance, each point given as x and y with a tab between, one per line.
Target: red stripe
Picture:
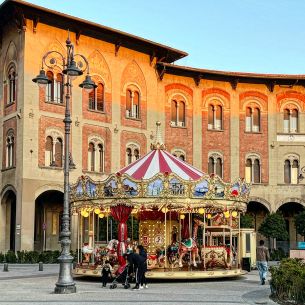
140	172
125	169
193	175
164	167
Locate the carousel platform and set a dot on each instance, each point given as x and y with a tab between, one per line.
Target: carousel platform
168	274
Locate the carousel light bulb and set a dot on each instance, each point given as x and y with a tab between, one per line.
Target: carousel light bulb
86	214
226	214
234	214
97	211
182	216
201	210
209	216
101	215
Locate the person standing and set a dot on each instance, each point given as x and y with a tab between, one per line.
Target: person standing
143	253
136	260
262	258
106	273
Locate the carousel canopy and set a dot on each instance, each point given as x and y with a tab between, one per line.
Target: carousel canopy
160	161
159	179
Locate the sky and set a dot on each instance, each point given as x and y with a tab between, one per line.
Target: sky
262	36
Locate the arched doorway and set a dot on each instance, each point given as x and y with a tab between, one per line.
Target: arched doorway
289	211
258	211
8	205
48	214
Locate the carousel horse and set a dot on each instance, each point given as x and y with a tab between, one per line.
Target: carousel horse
190	245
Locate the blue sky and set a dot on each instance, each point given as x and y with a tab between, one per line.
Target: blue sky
266	36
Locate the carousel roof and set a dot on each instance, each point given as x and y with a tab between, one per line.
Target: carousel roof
160	161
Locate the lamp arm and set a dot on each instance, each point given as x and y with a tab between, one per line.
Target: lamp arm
86	61
51	65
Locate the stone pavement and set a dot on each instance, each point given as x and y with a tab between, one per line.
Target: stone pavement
25	285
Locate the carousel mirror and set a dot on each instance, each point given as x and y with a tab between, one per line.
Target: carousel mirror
130	187
201	188
110	188
219	190
155	187
176	187
91	189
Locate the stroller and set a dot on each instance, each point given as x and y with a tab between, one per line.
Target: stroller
123	276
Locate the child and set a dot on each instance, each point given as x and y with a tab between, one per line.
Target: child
106	272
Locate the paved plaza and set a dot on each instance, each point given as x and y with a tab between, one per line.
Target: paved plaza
25	285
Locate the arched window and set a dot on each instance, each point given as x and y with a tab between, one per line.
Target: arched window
291	120
248	173
253	119
10	149
256	171
219	167
287	172
136	154
58	152
211	166
50	87
215	117
177	113
128	155
58	88
291	170
215	165
96	98
253	169
179	154
91	157
12	85
49	152
174	111
132	153
132	104
100	158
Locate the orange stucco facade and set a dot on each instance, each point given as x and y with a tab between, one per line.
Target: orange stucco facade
119	67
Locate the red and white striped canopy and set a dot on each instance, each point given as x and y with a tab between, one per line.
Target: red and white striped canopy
160	161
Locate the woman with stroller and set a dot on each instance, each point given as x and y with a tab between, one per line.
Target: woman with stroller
137	261
143	253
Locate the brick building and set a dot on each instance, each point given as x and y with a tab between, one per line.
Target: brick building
235	124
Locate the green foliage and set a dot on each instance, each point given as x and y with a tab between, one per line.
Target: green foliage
1	257
300	223
288	281
10	257
246	221
277	254
274	226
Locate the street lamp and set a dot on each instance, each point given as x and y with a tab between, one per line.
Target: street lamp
71	70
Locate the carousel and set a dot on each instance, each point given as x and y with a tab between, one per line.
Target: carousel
188	221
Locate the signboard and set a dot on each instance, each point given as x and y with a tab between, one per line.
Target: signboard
301	245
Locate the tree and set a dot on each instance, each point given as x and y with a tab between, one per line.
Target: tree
246	221
274	226
300	223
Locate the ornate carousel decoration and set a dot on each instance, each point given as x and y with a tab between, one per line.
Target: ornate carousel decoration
173	202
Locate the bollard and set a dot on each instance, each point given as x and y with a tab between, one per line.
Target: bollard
5	267
40	266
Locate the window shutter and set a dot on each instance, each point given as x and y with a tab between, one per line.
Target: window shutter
100	97
182	113
174	111
287	177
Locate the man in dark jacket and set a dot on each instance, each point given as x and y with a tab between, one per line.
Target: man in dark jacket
138	262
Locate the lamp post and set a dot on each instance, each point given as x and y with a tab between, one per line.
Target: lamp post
67	64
